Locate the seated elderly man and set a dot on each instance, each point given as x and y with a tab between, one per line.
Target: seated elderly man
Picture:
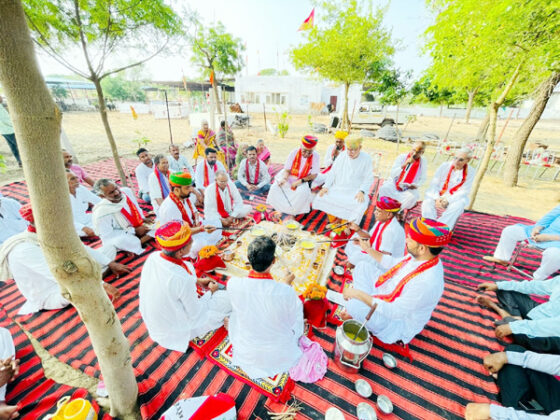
345	195
386	236
11	222
169	303
407	176
333	151
206	170
77	169
253	177
545	234
406	290
80	199
532	325
450	189
179	206
158	181
178	162
118	219
22	259
223	201
9	369
290	192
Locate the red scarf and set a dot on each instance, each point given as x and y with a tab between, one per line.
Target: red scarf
206	177
134	217
31	228
220	203
456	187
408	173
254	275
183	211
296	164
377	237
328	168
176	261
390	297
257	170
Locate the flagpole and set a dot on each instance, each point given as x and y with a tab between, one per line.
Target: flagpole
168	117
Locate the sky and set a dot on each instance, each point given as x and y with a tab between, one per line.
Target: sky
269	29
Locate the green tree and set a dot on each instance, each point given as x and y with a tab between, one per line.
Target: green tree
119	89
424	90
59	92
345	47
101	29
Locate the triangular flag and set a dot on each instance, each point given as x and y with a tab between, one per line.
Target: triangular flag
212	78
134	114
308	23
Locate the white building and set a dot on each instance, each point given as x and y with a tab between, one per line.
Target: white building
292	93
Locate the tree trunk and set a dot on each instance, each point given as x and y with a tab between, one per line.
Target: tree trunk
493	115
216	98
37	123
472	94
440	110
108	132
483	129
345	120
515	151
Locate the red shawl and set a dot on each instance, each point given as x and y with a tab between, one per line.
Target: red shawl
456	187
183	211
220	203
408	173
257	170
296	163
134	217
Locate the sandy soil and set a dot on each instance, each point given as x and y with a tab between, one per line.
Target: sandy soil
529	199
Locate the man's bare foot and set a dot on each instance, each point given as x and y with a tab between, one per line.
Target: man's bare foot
485	302
492	259
8	412
345	316
226	323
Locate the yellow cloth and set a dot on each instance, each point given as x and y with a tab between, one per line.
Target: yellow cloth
205	140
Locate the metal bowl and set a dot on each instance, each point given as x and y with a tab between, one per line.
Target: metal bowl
384	404
306	244
364	411
228	256
389	361
338	270
292	225
363	388
258	231
334	413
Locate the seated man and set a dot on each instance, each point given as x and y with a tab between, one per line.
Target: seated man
532	325
253	177
522	376
450	189
406	294
333	151
266	322
386	236
178	206
118	219
80	200
407	176
77	169
345	194
206	171
22	259
545	234
11	222
290	192
178	162
169	302
143	171
9	369
223	201
158	182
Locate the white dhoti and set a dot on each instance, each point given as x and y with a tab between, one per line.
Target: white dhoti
298	201
204	238
121	242
550	262
239	212
355	254
219	307
449	216
319	180
341	202
6	350
408	198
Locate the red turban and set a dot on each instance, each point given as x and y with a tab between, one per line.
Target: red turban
388	204
429	232
309	142
173	235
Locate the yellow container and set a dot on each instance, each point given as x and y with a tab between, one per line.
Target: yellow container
77	409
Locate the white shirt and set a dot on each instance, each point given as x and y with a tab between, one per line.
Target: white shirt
155	189
11	222
315	163
211	202
142	173
169	211
264	175
420	177
108	227
80	203
265	326
328	159
179	165
352	174
456	177
199	173
393	239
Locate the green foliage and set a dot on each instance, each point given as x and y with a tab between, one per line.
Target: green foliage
119	89
391	86
140	141
424	90
283	123
59	92
273	72
310	121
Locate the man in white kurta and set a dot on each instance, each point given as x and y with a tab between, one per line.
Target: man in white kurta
118	220
205	173
178	206
333	151
290	192
406	290
407	176
253	176
266	322
450	189
178	162
80	200
158	182
223	201
169	303
10	369
386	235
11	223
142	172
345	194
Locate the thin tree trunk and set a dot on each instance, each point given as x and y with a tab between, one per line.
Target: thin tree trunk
483	129
37	123
345	120
216	96
494	107
108	132
440	110
472	94
515	151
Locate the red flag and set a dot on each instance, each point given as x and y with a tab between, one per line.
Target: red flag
308	23
212	78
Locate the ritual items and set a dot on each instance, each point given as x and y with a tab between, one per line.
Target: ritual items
316	305
366	412
351	347
208	260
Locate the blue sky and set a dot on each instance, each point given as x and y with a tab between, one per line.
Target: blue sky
269	28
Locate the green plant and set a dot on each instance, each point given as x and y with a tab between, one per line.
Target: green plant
283	120
141	141
309	121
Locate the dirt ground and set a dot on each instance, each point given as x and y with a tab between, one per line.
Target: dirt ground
530	199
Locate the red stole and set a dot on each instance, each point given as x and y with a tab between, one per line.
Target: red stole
378	237
183	211
328	168
134	217
456	187
206	176
296	163
257	170
254	275
390	297
408	173
176	261
220	203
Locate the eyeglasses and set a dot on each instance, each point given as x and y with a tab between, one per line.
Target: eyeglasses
460	159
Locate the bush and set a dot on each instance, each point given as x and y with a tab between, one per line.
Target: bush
283	125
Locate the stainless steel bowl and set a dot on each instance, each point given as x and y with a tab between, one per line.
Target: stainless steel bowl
338	270
363	388
389	361
334	413
384	404
364	411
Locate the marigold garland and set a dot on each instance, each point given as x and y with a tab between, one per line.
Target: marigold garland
315	291
208	251
261	207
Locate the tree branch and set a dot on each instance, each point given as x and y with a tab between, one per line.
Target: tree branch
83	39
